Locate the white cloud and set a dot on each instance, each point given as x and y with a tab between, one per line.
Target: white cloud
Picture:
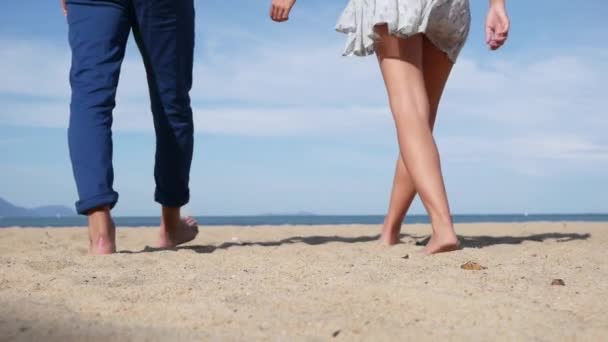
243	121
554	91
567	148
290	121
33	68
545	109
302	75
535	155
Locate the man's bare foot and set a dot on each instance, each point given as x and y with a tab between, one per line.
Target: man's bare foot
102	232
441	244
390	235
175	230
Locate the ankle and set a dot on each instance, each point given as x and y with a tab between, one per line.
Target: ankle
100	221
170	217
102	231
392	224
102	244
103	240
442	221
100	213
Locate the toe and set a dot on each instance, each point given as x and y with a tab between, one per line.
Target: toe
191	224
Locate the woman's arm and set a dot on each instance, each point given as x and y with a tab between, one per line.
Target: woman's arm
497	24
279	9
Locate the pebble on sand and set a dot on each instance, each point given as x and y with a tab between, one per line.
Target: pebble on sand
558	282
472	266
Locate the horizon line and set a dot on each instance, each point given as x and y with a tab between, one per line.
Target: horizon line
328	215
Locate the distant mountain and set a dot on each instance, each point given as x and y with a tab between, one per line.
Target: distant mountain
8	209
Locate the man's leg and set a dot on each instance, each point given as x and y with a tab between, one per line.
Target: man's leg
164	31
98	32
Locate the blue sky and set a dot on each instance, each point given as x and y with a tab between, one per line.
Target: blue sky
284	123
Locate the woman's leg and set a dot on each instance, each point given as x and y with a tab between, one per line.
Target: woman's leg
436	68
401	63
402	196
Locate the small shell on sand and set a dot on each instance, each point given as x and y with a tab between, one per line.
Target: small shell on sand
472	266
558	282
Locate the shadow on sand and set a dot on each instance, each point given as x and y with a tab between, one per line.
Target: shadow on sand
466	241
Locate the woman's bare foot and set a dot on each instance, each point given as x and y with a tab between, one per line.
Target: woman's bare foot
441	244
102	232
390	234
175	230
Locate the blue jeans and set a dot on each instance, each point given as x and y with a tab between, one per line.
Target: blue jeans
98	33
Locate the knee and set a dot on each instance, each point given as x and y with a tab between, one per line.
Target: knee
411	118
93	92
408	109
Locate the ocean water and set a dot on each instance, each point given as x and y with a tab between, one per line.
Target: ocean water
298	219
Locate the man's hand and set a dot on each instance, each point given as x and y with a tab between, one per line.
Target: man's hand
64	7
279	10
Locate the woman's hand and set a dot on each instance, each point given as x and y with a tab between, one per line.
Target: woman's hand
279	10
497	25
64	7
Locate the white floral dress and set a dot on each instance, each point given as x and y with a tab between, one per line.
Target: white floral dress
445	22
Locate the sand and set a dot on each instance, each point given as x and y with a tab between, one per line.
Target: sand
307	283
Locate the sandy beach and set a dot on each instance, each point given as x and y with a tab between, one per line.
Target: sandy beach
307	283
